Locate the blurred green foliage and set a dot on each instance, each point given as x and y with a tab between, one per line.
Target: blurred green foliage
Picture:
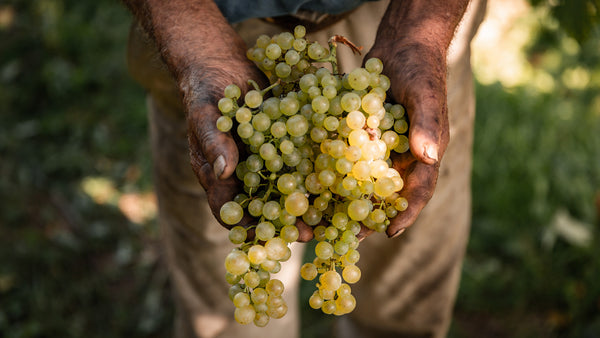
73	265
532	266
577	18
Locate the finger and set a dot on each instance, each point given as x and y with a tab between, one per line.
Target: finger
218	191
305	231
364	232
428	134
216	147
420	181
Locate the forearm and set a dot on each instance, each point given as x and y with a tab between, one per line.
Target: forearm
432	23
197	44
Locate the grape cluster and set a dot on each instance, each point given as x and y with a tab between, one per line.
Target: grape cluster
319	150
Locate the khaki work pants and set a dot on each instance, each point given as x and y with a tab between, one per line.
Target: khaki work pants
408	284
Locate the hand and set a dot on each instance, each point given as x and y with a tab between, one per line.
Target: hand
417	74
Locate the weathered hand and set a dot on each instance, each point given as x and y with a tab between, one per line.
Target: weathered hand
412	42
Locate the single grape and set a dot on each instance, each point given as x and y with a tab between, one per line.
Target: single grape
231	213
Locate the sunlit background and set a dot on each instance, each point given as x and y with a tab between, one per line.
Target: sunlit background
79	245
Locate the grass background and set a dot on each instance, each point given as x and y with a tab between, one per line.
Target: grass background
78	237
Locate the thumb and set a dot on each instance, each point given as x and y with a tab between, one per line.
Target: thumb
218	148
428	133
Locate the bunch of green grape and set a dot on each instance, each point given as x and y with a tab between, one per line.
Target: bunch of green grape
319	148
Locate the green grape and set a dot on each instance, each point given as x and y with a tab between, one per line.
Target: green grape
244	315
373	122
237	262
285	40
231	213
261	319
241	299
292	57
318	134
308	271
345	304
261	122
319	233
355	119
308	81
316	51
265	231
252	279
278	129
253	98
232	279
224	123
292	159
257	139
289	106
341	247
289	233
358	210
351	274
286	146
257	55
225	105
237	234
297	125
335	106
314	92
276	248
274	287
283	70
300	45
296	204
401	204
255	207
267	64
251	180
257	254
350	102
263	41
286	218
324	250
330	280
243	115
273	51
339	220
232	91
320	104
374	65
403	145
358	78
397	111
331	233
312	216
267	151
305	167
299	31
245	130
378	216
271	210
400	126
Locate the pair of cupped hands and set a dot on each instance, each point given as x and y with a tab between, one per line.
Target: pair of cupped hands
417	74
412	42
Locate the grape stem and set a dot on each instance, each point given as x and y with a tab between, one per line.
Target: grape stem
263	91
332	58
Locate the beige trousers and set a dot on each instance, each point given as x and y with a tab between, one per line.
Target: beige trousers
409	283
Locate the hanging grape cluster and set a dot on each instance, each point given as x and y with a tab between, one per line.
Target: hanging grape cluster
319	148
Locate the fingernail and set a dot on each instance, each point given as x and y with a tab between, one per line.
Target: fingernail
431	152
219	166
399	232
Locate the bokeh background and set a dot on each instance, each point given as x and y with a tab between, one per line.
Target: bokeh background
79	244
